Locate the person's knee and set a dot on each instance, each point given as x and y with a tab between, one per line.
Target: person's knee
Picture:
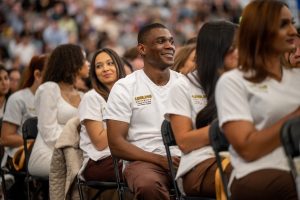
150	185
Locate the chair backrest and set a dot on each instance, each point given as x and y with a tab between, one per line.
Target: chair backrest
29	131
169	140
219	143
29	128
290	139
167	134
217	138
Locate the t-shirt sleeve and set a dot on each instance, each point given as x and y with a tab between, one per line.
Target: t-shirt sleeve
91	107
119	103
231	99
178	100
14	110
46	101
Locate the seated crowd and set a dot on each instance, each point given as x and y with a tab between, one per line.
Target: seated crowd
246	76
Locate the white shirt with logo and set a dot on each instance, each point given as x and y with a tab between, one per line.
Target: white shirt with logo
139	102
263	104
186	98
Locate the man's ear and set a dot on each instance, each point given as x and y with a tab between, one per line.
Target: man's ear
141	49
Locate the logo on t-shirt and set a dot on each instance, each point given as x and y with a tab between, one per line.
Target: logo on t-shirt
260	87
143	100
199	99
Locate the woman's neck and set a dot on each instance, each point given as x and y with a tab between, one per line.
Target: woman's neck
66	86
274	67
2	101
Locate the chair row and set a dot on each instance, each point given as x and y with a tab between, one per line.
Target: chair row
290	138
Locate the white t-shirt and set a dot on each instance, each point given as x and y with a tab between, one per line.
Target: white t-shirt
91	107
136	100
19	107
187	99
53	113
260	103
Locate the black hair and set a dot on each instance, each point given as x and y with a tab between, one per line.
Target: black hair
214	41
146	29
64	63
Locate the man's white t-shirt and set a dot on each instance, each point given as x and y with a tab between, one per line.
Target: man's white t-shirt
139	102
263	104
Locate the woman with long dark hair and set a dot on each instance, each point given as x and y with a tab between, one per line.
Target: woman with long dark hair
106	68
191	107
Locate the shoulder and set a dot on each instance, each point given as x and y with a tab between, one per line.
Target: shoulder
234	75
49	86
92	95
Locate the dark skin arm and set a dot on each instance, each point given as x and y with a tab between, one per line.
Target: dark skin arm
252	144
121	148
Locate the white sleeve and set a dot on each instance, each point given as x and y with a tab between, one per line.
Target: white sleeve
119	103
91	107
46	100
231	99
14	110
178	100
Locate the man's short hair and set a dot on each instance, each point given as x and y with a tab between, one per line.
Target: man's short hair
146	29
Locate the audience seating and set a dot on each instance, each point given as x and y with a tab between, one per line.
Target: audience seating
101	186
290	139
30	131
169	140
219	143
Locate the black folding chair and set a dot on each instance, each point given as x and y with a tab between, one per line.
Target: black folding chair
2	171
290	139
30	131
169	140
219	143
101	186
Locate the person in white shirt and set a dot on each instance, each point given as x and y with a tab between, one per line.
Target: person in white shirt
191	107
106	68
19	107
4	89
255	100
56	101
135	111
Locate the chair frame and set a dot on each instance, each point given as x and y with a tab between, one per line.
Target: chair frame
169	140
219	143
30	131
290	139
101	186
2	173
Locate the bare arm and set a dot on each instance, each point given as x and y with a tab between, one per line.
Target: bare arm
121	148
252	144
9	135
97	133
187	138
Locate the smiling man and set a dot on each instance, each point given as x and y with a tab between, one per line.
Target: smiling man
134	114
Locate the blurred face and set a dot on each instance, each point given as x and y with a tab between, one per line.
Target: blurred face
14	78
294	56
4	83
158	49
105	69
85	69
189	64
231	59
284	41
